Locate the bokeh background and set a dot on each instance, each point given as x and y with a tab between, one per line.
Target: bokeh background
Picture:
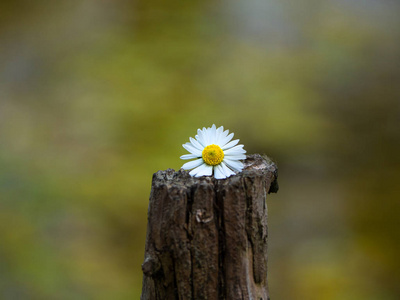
96	96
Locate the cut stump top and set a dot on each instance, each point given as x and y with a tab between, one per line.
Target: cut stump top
254	165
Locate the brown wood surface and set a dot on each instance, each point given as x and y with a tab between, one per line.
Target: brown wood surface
207	238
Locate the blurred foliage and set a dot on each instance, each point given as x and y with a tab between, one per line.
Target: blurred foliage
96	96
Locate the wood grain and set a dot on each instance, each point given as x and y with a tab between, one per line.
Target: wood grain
208	238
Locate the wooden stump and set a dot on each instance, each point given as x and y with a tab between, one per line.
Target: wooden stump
207	238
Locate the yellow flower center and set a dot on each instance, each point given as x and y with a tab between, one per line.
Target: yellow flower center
213	155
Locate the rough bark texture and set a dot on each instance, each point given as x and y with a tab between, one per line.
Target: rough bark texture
207	238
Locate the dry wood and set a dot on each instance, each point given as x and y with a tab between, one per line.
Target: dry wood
207	238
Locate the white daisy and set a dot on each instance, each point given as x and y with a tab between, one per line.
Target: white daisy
214	151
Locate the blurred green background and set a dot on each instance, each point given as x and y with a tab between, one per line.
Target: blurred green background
96	96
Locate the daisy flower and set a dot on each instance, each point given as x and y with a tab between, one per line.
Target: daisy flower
214	152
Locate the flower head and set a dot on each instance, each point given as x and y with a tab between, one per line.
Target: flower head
214	152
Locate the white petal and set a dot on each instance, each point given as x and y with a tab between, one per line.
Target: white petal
235	150
199	169
230	144
234	164
218	134
192	164
201	138
227	171
226	139
189	147
222	136
195	171
196	144
235	157
188	156
238	147
204	134
207	135
213	134
204	170
218	172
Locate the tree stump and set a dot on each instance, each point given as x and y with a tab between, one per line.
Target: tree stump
207	238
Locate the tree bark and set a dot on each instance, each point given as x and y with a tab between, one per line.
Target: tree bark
207	238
